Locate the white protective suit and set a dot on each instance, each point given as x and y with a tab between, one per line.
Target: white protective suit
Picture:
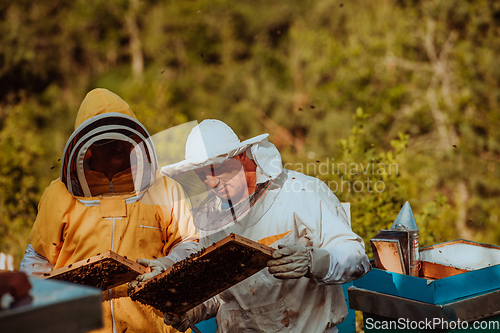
295	209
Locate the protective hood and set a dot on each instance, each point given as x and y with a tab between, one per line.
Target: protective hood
222	195
105	117
213	142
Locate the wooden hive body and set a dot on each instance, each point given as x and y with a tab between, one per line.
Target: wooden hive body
446	273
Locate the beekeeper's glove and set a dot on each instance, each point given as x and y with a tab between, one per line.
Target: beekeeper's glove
157	266
296	261
180	323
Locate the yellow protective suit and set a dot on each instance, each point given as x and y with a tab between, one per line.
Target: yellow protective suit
138	214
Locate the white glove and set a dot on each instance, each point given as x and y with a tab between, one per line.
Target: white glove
296	261
157	266
180	323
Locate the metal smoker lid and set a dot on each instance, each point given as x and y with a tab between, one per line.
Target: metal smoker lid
405	220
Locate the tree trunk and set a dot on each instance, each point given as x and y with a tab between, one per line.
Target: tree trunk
135	44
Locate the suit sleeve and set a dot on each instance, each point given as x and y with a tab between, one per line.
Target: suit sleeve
34	263
48	233
182	235
325	226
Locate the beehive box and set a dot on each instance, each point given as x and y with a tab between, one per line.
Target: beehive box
104	271
54	307
449	271
385	308
204	275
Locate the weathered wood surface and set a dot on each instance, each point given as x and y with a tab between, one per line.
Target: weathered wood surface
431	270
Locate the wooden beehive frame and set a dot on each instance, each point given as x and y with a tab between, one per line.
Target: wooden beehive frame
196	279
438	283
460	241
432	271
105	271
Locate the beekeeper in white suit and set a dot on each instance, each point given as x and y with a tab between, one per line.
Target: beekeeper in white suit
250	194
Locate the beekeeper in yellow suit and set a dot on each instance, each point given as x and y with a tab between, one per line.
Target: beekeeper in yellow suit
110	197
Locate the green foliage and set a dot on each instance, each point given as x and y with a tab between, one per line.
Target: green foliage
374	183
27	158
416	81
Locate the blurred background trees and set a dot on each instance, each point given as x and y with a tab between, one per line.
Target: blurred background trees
390	82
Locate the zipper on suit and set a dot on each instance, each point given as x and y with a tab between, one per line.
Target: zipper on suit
113	236
112	312
111	290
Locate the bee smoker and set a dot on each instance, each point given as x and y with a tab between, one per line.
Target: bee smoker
405	221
